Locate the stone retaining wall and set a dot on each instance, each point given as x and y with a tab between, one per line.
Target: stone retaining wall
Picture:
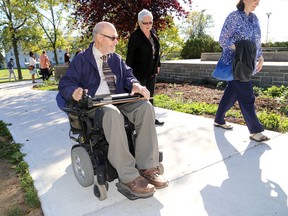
196	71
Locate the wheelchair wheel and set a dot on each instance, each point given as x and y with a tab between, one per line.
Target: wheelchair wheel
82	166
100	191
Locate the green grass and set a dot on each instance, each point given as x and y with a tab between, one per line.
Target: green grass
195	108
4	75
49	85
15	211
10	152
270	121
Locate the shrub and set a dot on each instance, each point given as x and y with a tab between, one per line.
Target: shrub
195	46
270	121
275	91
284	125
258	91
284	110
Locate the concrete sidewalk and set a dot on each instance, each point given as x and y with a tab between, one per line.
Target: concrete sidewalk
211	171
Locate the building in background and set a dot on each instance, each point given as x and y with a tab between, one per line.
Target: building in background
24	57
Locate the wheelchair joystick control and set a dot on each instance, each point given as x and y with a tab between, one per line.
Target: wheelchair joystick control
86	102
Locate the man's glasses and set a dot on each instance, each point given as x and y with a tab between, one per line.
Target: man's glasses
111	38
147	23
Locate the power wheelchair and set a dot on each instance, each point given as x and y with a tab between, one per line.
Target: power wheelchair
89	156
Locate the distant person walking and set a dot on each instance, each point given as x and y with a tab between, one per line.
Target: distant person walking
67	57
10	66
240	39
44	66
32	66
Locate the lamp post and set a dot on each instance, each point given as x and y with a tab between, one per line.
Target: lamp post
268	15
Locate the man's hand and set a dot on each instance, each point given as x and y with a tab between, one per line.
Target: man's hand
78	94
137	88
158	70
259	64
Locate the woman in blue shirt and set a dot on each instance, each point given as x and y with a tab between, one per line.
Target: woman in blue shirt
241	25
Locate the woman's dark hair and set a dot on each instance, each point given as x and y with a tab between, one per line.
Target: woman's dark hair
240	6
31	53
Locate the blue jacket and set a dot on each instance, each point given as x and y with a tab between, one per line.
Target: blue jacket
10	65
83	72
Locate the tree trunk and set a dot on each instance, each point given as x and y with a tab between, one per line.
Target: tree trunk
16	53
55	55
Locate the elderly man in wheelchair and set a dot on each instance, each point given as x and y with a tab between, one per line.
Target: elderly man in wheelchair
139	171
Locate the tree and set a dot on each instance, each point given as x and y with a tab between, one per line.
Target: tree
196	25
1	54
194	29
15	15
49	17
1	59
170	42
123	13
80	42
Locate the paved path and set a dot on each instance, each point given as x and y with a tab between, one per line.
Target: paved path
211	171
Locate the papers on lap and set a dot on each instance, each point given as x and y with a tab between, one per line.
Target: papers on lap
100	100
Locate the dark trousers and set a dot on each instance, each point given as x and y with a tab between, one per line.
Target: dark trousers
45	73
243	93
149	82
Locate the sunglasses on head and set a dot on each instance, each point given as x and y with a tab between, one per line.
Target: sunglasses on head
147	23
111	38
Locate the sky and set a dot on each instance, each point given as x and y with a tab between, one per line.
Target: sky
278	26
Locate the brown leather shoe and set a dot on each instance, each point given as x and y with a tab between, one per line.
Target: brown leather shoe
139	187
154	177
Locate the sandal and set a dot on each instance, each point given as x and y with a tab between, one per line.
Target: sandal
259	137
224	126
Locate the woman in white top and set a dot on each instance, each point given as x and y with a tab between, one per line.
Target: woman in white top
32	66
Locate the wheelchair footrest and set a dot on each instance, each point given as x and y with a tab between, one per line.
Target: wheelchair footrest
128	194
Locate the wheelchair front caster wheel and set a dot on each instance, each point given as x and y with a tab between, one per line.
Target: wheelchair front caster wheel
100	191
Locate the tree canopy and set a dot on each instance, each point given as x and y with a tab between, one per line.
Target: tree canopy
196	25
123	13
14	16
49	17
170	42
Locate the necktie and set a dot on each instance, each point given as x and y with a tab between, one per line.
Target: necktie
109	76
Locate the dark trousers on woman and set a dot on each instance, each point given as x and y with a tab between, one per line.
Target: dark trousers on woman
243	93
149	82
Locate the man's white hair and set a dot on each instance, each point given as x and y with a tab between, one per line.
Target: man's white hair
100	28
